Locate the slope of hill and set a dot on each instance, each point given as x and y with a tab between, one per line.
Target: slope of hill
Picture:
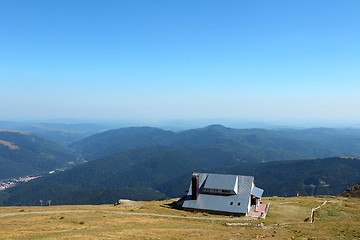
63	133
328	176
151	163
137	171
354	191
22	154
115	141
344	140
251	145
338	219
158	172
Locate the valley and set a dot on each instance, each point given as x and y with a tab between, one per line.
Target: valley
24	154
9	183
146	163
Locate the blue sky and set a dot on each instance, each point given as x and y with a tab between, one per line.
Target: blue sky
158	60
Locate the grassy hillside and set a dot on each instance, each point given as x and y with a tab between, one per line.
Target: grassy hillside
339	218
22	154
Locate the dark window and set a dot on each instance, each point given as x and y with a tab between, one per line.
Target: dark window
238	203
231	203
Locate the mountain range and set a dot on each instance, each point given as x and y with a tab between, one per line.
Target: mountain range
62	133
144	163
151	174
250	145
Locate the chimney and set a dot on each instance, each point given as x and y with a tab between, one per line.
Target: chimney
195	186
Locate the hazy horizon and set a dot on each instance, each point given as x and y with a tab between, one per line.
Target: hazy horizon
178	124
277	62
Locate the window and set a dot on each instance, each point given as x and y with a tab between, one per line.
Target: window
231	203
238	203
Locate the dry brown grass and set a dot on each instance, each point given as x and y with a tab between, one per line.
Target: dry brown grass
15	131
338	219
9	145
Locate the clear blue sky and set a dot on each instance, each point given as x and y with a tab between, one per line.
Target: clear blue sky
153	60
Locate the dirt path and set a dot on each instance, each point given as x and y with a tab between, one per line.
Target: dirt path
130	213
312	215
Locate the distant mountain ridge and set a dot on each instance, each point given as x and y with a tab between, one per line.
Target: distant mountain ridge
251	145
63	133
22	154
115	141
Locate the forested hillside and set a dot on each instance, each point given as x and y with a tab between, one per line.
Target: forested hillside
156	173
22	154
151	163
247	145
63	133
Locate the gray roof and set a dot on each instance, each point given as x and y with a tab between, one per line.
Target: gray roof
220	181
221	203
257	192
